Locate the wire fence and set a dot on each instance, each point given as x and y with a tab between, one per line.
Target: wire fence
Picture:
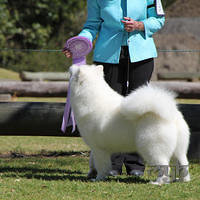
31	50
60	50
169	60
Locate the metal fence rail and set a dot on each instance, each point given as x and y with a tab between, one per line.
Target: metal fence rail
60	50
44	119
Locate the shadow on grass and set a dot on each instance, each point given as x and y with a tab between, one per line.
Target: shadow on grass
195	161
59	174
40	173
33	170
45	154
131	179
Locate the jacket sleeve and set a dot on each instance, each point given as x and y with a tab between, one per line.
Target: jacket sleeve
93	22
153	22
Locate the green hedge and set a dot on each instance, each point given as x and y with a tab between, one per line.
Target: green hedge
38	25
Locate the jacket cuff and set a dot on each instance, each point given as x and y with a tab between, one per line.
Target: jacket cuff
152	25
87	34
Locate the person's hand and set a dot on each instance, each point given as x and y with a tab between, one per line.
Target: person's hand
67	53
132	25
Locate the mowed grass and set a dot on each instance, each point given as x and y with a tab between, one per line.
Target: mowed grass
40	99
53	168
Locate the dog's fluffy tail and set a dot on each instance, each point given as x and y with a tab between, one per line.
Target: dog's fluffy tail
149	99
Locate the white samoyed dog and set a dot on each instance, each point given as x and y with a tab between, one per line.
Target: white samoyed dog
147	121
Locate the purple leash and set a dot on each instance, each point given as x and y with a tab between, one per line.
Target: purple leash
79	47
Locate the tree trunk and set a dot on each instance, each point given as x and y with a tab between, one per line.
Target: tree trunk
179	76
44	76
34	89
183	89
59	89
45	119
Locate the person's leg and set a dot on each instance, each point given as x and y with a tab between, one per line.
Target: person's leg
111	75
116	75
139	74
117	160
134	164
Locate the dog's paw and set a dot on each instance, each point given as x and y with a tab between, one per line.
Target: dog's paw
155	183
101	178
184	174
161	180
97	180
158	183
185	179
93	179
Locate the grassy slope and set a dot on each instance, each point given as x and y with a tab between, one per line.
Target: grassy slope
8	74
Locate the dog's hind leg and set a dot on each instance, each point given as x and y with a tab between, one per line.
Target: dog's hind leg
182	162
181	150
163	175
161	164
183	168
160	161
92	171
102	163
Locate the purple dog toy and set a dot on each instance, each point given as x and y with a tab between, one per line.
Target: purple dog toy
79	47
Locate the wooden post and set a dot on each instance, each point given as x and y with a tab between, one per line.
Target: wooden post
44	76
32	119
44	119
5	97
35	88
59	88
189	76
183	89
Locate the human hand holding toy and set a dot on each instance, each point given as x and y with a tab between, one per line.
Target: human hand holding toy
76	48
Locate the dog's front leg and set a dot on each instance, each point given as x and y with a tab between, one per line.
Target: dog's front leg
92	171
102	163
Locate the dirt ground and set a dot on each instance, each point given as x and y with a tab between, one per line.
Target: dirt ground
184	8
181	32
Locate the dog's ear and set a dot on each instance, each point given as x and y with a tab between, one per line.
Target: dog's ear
100	69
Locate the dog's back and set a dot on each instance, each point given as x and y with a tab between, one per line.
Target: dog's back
149	99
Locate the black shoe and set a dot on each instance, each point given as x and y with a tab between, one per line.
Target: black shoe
114	173
92	174
135	172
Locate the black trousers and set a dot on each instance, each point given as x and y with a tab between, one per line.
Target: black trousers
124	78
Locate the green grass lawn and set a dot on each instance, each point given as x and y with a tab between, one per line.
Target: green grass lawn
41	99
53	168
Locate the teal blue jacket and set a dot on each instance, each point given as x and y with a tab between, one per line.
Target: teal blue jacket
104	19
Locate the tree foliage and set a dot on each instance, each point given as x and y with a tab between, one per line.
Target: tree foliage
35	24
31	24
